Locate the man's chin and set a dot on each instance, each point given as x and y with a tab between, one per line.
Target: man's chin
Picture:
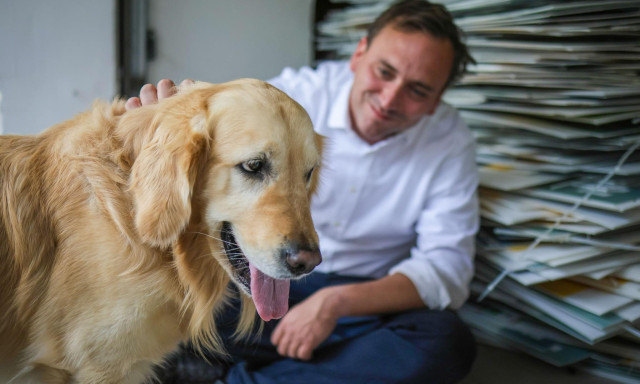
373	129
374	136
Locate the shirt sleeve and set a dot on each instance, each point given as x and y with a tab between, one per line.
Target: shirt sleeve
441	262
287	80
300	84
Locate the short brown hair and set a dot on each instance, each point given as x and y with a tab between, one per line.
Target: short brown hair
434	19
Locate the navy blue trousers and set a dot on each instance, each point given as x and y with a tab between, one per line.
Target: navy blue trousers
420	346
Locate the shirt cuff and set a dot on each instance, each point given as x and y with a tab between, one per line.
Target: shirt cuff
433	289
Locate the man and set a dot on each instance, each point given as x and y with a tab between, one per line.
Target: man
396	212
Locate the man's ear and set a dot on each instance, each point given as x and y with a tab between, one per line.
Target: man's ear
163	176
434	105
357	54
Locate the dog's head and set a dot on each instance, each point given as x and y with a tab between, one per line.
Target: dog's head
235	162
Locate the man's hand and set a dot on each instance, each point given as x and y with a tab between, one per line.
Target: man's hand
309	323
149	94
306	325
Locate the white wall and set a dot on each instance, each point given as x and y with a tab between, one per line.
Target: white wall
221	40
56	57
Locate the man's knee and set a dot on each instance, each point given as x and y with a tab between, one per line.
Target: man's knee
445	341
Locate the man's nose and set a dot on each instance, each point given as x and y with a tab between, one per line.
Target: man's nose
390	95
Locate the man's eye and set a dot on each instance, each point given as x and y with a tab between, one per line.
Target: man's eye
418	93
253	166
385	73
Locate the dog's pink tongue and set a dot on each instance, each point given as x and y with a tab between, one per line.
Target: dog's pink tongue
271	296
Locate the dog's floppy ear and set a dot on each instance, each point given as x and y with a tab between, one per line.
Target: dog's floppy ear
164	171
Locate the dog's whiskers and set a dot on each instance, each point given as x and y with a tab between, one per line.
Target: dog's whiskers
238	256
214	238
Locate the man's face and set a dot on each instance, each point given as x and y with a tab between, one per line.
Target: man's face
398	79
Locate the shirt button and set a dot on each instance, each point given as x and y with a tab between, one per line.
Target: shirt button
352	189
337	224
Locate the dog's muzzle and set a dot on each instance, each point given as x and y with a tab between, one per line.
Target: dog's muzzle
270	294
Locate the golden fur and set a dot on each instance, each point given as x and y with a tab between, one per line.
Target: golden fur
110	250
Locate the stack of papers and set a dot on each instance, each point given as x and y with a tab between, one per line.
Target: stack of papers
554	104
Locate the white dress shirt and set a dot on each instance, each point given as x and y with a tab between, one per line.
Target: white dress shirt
405	205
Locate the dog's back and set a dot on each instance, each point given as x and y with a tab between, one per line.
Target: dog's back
40	197
26	244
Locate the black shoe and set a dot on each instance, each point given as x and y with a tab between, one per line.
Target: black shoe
187	367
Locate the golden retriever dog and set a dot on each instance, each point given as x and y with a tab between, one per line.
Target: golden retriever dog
121	232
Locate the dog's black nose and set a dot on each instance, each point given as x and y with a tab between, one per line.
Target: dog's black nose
301	261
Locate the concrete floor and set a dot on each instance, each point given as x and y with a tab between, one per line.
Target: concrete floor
498	366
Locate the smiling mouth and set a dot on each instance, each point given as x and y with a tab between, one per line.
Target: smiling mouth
237	259
379	114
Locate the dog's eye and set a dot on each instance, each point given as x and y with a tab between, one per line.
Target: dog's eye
253	166
308	175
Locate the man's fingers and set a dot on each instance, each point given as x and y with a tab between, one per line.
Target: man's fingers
187	82
292	350
283	347
148	94
289	345
285	343
166	88
132	103
304	352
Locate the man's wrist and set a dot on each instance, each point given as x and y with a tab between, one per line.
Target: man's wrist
334	302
